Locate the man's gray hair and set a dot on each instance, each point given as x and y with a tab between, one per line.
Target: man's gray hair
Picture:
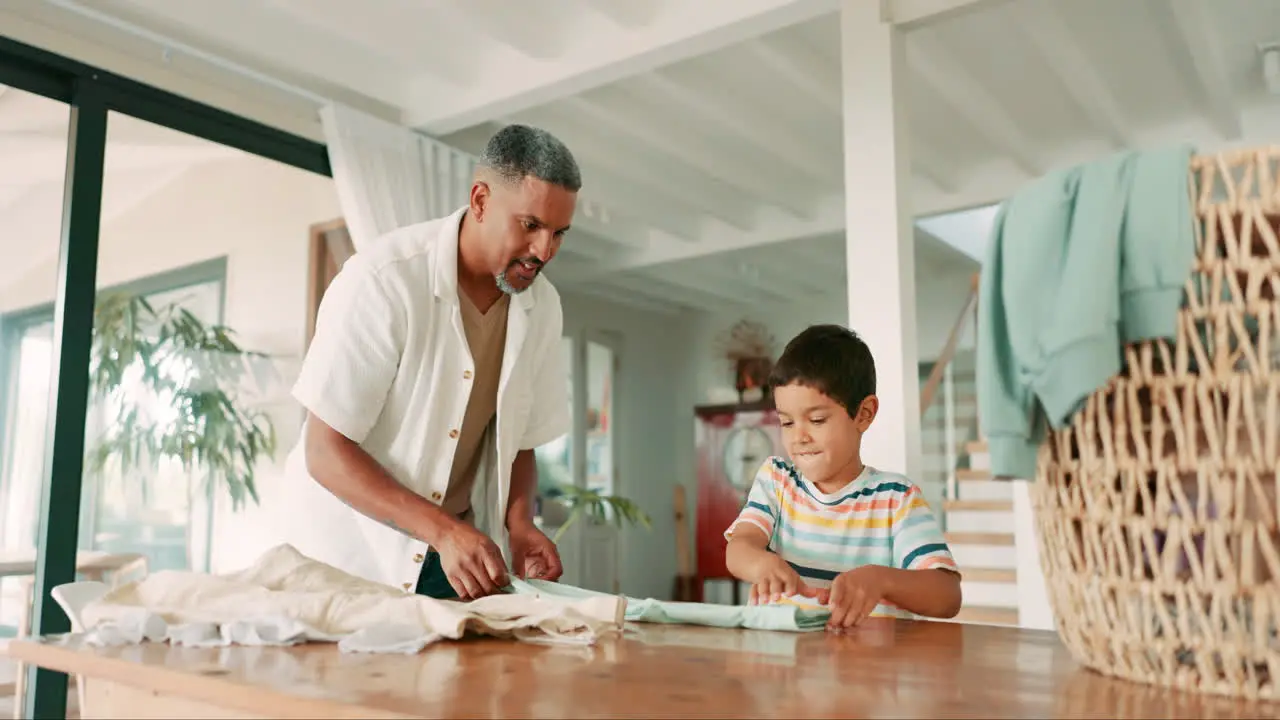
519	151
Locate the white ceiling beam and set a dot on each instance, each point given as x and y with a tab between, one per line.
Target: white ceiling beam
928	162
680	31
700	298
825	260
615	229
619	296
752	125
778	228
623	197
1043	22
974	102
985	184
803	69
1192	21
796	277
594	247
764	287
626	13
671	141
915	14
679	185
698	277
518	25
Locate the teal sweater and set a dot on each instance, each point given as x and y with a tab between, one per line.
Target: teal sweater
1080	262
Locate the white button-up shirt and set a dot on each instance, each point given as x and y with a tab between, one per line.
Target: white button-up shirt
389	368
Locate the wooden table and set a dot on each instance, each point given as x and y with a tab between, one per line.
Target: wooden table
91	564
886	669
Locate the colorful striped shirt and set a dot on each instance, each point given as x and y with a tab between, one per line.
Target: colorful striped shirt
878	519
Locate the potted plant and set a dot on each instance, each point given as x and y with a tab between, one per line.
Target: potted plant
177	388
596	506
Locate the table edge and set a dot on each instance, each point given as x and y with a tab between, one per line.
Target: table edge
211	689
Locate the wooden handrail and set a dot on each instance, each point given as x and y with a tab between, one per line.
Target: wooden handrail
934	380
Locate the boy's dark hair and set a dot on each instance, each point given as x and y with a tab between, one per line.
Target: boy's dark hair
831	359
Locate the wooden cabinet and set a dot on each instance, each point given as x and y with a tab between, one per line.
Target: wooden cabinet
733	441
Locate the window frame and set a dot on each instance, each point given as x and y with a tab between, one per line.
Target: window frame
90	93
15	323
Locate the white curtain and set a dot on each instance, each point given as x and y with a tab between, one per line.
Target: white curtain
389	176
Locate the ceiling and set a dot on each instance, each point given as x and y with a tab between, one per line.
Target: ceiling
712	130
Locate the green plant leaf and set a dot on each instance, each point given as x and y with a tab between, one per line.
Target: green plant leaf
143	356
597	506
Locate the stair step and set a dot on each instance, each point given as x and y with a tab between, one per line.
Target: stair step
972	474
989	575
979	538
975	447
981	615
984	490
980	505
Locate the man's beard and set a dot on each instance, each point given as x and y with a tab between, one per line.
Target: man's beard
505	286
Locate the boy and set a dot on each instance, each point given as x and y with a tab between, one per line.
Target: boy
824	525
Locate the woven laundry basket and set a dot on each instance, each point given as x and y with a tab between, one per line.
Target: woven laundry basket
1156	510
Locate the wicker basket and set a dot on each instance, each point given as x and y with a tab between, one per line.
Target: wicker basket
1156	510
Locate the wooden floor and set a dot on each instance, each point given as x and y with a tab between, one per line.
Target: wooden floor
884	669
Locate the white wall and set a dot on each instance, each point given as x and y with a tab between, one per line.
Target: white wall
256	213
1033	596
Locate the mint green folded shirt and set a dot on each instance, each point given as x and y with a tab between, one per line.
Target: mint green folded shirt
1080	262
783	618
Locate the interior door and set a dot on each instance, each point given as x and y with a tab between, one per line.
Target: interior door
330	248
601	548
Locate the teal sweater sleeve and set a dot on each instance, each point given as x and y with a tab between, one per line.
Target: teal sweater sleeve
1006	405
1079	263
1158	244
1080	335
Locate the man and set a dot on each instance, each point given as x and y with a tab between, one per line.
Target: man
434	372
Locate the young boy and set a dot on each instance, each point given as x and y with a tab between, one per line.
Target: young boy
825	526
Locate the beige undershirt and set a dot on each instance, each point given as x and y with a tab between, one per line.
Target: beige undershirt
486	337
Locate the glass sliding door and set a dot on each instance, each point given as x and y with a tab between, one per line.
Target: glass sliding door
47	236
173	187
216	242
33	159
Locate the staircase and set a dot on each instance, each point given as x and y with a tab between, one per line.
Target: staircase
979	529
977	516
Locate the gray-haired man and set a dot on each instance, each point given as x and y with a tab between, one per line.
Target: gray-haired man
435	367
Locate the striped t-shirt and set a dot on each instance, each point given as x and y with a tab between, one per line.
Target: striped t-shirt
878	519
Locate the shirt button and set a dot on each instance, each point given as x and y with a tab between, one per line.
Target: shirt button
419	558
453	433
466	375
436	496
406	585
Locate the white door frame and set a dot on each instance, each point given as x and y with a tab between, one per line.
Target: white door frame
581	535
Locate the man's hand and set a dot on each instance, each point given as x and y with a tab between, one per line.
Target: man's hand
533	555
472	562
855	594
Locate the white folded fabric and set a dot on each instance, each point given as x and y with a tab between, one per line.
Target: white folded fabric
287	598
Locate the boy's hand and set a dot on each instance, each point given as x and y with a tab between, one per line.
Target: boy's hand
775	579
855	594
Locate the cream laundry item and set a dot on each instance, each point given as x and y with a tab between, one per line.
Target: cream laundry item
287	598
